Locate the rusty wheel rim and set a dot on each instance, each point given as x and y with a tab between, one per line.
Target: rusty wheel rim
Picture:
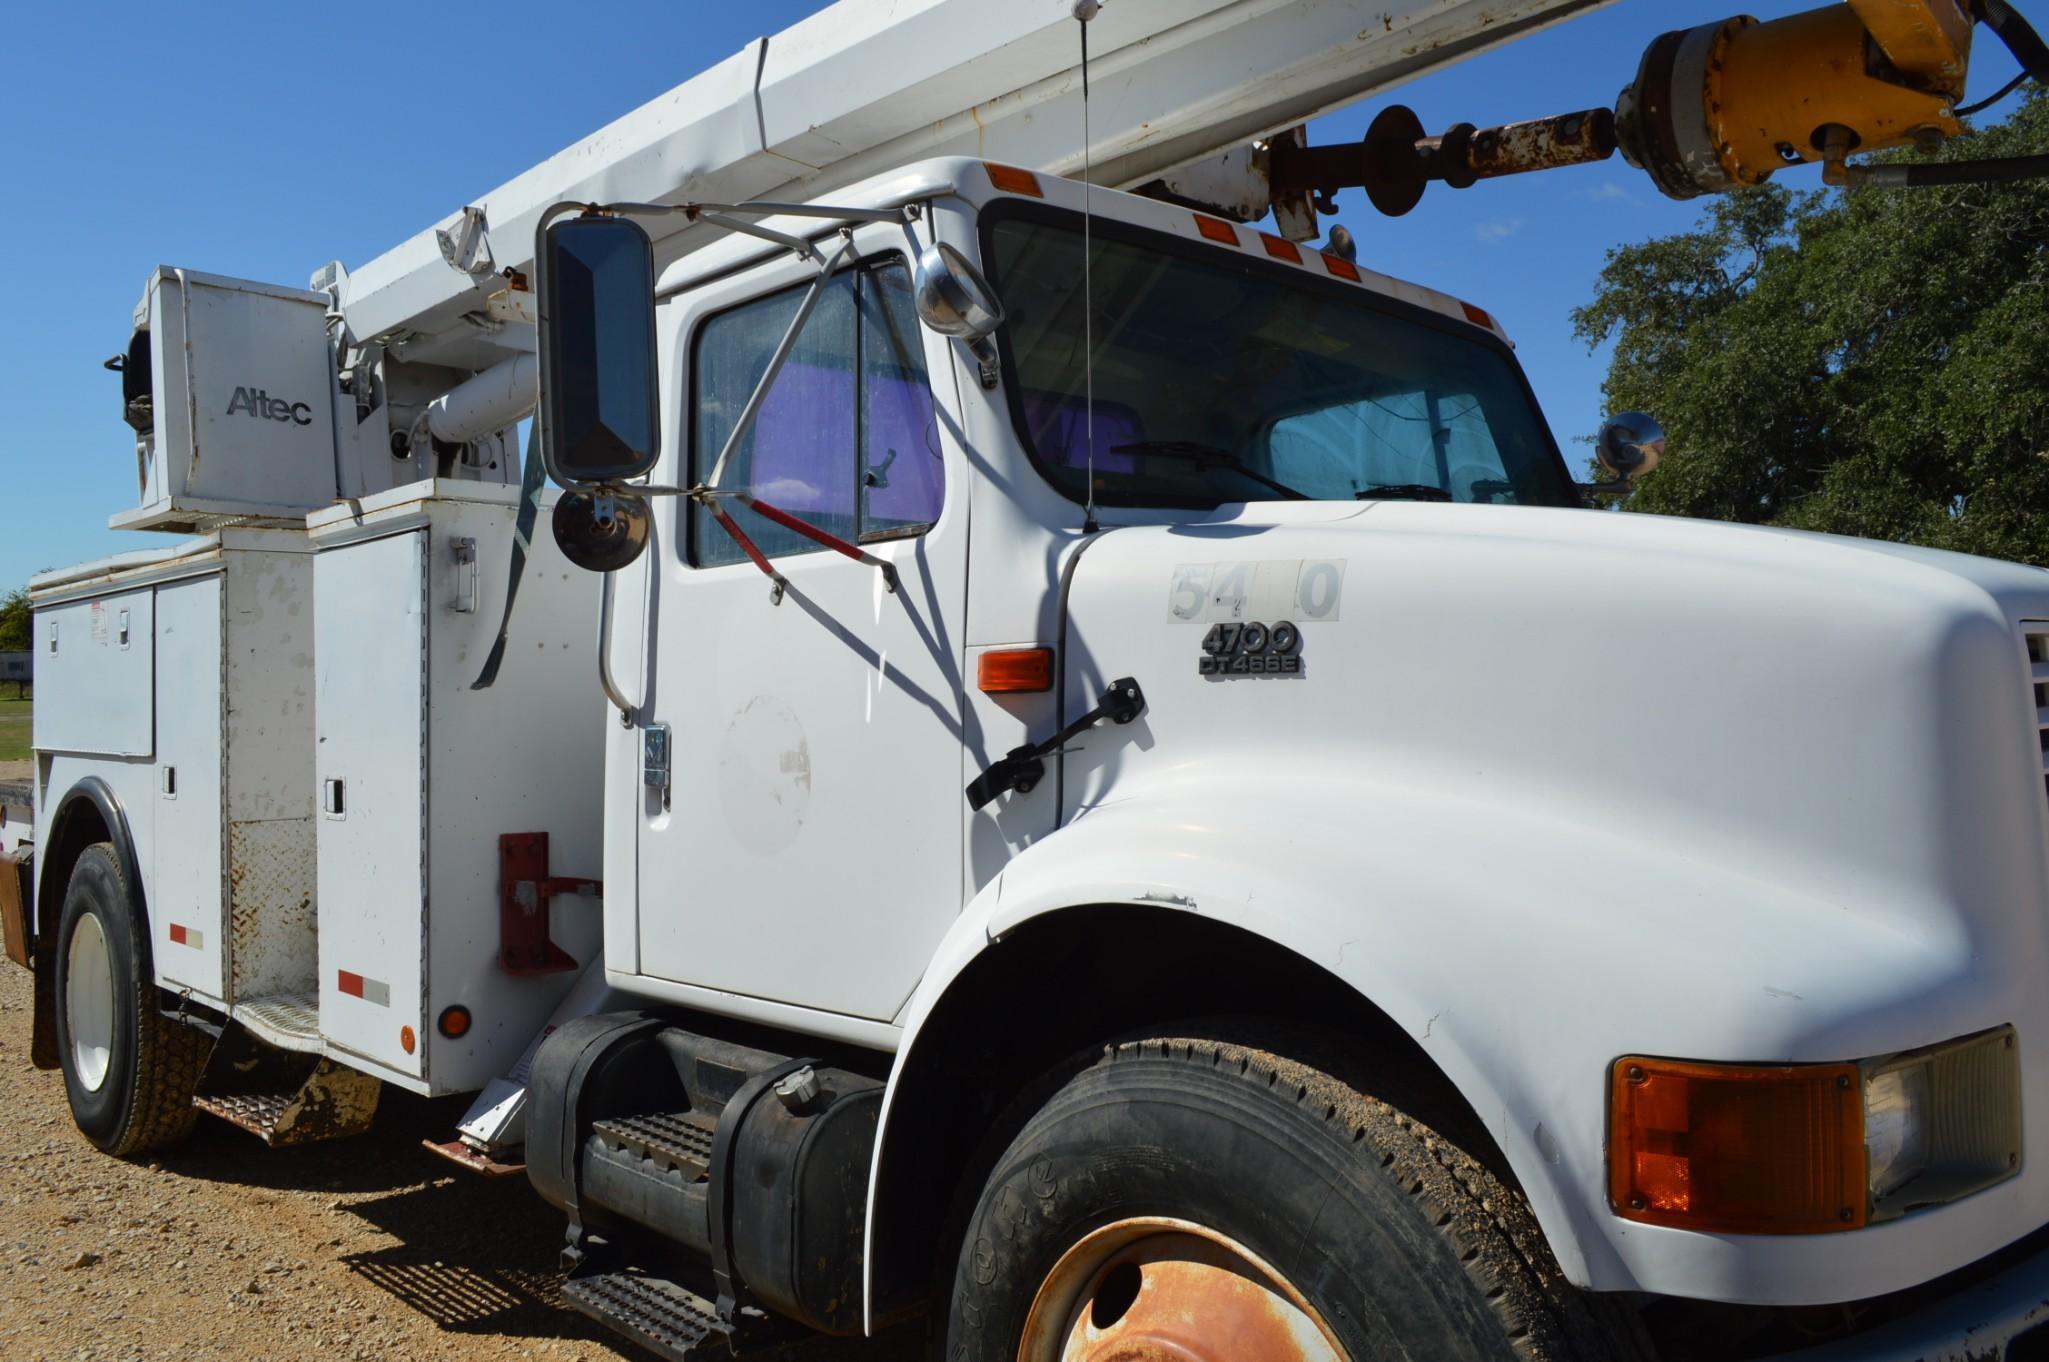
1160	1290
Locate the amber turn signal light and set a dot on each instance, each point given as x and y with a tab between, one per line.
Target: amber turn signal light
1015	671
1739	1149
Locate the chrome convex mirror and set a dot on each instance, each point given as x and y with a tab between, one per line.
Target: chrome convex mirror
601	531
1629	446
955	300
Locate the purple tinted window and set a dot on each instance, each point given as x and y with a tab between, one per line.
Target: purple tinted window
857	459
901	469
802	451
1059	429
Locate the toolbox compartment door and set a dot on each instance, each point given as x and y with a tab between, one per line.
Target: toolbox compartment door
369	606
95	670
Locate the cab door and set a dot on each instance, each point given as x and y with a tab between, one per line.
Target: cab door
809	849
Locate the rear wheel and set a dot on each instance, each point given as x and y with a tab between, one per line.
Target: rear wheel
1209	1202
129	1071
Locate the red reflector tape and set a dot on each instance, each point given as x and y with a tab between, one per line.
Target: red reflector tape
187	936
1216	229
1341	268
369	990
1280	248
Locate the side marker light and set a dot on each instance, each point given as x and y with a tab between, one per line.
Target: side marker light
1015	671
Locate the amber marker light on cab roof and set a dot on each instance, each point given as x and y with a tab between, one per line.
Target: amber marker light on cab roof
1015	671
1216	229
1011	180
1280	248
1340	268
1737	1149
1478	316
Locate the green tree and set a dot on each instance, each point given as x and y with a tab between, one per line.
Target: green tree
14	621
1869	363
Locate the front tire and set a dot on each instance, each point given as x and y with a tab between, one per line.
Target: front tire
129	1071
1200	1199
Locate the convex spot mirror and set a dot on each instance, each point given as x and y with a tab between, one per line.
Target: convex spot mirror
1630	445
600	531
954	299
600	419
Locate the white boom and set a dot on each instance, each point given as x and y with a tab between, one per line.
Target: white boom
868	84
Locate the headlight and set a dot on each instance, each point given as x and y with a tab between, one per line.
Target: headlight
1942	1123
1895	1128
1811	1148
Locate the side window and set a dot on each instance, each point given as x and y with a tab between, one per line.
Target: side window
845	438
903	479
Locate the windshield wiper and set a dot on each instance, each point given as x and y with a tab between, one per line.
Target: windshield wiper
1207	456
1403	491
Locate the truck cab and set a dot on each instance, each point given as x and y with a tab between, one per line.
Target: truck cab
1127	803
1695	874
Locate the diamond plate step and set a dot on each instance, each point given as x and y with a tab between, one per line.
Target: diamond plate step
257	1112
664	1318
680	1142
332	1102
290	1021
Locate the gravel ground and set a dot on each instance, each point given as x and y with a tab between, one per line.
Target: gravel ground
369	1248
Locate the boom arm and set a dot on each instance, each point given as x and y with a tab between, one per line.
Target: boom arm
866	85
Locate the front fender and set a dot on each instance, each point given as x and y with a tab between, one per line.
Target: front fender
1524	953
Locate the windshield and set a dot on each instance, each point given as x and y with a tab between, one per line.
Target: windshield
1221	380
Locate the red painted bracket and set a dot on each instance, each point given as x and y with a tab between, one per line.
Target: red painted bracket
524	888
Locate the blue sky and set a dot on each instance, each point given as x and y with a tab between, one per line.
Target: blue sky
261	141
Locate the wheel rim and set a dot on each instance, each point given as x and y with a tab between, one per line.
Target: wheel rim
1170	1291
89	1002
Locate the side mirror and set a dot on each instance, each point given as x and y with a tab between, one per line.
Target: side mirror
600	420
1629	446
955	300
600	531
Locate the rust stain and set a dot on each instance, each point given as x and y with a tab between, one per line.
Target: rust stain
1542	144
1169	1291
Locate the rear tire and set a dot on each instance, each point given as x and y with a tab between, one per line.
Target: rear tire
129	1071
1175	1192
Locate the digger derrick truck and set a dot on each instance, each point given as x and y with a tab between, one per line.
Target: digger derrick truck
1080	824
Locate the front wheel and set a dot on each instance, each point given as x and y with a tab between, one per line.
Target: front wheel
1209	1202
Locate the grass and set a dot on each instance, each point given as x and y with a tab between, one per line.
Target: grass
14	726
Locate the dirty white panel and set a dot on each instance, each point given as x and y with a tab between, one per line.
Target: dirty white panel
526	755
271	788
410	589
370	773
133	781
182	880
94	675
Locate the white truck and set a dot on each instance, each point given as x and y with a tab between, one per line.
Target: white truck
1124	803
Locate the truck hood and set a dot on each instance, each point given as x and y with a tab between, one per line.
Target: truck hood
1849	721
